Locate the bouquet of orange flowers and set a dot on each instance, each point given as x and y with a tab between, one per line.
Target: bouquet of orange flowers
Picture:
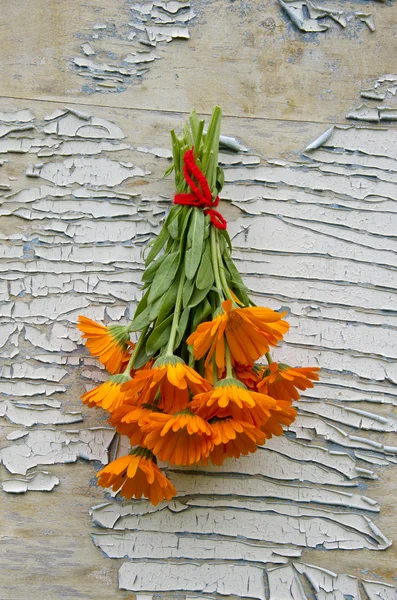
190	390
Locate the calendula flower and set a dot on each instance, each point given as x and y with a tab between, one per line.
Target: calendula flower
230	398
284	414
108	395
108	344
182	439
209	373
137	475
248	331
232	439
170	377
249	375
128	420
126	358
281	381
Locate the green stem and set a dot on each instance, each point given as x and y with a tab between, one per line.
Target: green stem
175	320
138	346
225	286
211	145
214	258
229	368
269	358
214	371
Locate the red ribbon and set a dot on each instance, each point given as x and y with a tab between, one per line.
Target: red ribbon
200	196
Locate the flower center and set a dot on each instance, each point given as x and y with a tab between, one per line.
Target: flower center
234	321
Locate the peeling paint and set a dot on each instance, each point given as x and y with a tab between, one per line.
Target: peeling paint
305	237
25	414
253	500
243	581
301	527
50	446
150	24
40	481
383	91
309	17
368	19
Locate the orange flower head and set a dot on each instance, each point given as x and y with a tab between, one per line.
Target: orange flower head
128	420
249	375
284	414
108	395
281	381
137	475
171	379
249	332
230	398
182	439
108	344
233	439
209	373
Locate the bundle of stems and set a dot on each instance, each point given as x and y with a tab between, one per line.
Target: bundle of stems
191	390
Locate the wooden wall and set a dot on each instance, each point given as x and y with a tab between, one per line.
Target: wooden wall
88	94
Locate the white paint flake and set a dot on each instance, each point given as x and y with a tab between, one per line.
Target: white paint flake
140	545
310	17
27	415
50	446
381	99
92	171
243	581
19	116
40	481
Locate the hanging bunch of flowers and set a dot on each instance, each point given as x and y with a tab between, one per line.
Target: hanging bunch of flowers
191	389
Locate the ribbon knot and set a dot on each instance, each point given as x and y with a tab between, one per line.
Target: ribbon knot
200	196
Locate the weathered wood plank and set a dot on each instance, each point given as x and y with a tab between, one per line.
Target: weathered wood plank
248	57
315	234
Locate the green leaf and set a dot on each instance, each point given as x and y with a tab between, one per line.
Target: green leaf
168	300
220	179
221	242
241	293
168	171
187	135
150	272
198	296
198	137
141	305
141	358
226	236
195	243
159	336
235	279
207	226
156	245
155	307
140	321
173	224
164	276
205	274
207	309
187	292
176	149
182	325
184	223
201	313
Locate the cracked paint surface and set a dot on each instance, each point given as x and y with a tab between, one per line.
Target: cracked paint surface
315	17
46	281
305	238
150	26
380	102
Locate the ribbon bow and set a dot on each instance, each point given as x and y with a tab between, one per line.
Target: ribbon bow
200	196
